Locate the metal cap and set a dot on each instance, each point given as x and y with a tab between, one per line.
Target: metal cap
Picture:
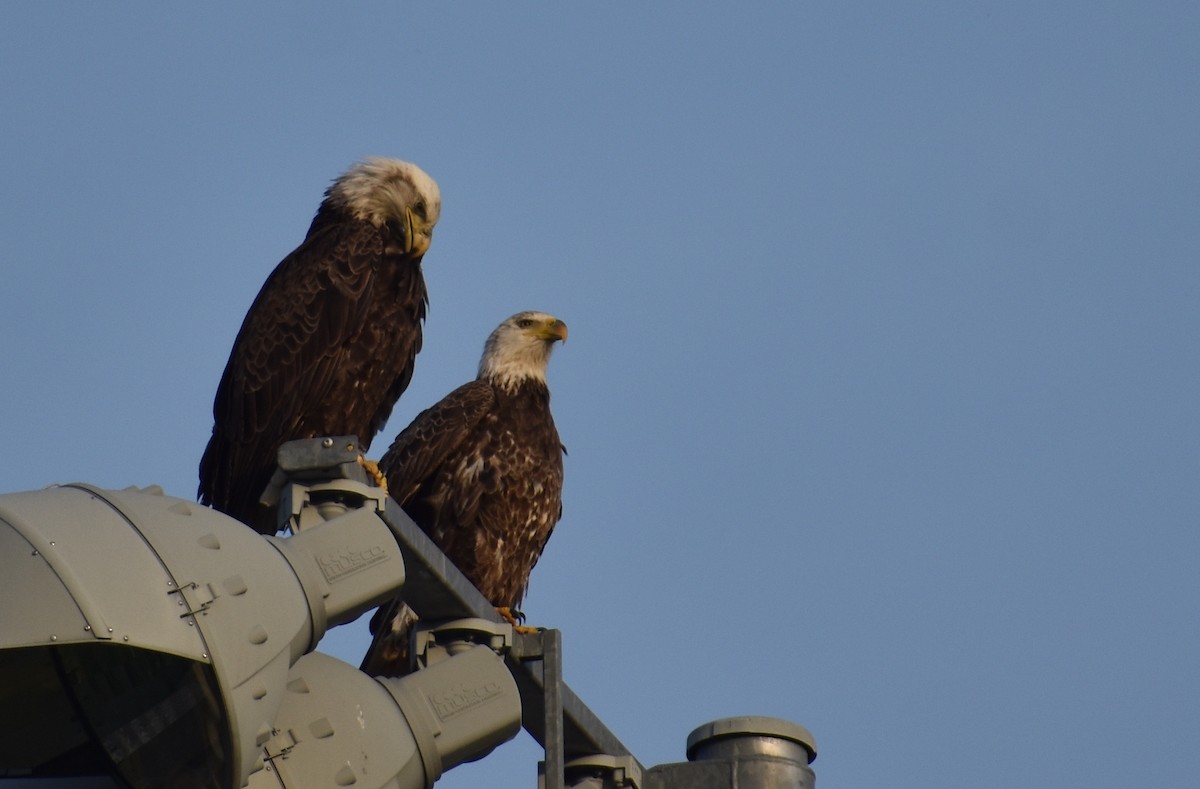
751	736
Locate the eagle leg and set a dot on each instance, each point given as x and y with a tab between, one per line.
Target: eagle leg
372	469
510	615
515	618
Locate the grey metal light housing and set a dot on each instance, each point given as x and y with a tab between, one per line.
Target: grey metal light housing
163	641
399	732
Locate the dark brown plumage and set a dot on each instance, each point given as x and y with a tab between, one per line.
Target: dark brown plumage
328	345
481	473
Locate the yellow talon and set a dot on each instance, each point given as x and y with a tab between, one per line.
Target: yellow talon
372	468
509	616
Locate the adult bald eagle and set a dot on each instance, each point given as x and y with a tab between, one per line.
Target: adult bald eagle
481	472
328	345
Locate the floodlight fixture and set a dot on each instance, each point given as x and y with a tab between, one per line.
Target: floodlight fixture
148	641
158	641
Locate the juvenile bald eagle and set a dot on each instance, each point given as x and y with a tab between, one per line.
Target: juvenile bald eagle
481	472
328	345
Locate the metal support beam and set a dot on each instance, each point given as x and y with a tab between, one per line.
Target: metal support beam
553	713
724	754
583	733
437	590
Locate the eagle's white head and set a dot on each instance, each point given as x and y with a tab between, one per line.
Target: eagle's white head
390	192
519	349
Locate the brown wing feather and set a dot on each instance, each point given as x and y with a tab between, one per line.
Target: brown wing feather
491	503
326	349
485	483
436	433
519	498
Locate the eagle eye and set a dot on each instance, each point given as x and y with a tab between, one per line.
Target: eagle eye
525	323
419	209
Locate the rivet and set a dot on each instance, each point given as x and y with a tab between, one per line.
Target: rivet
87	628
327	443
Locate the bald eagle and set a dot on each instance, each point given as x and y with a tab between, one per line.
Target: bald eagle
481	472
329	343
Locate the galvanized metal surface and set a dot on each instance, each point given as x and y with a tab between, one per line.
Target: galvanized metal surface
436	589
552	715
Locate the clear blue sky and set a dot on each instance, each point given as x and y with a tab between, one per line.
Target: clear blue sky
881	393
